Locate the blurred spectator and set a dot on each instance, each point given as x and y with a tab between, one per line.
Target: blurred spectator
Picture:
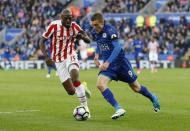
122	6
31	15
83	53
178	6
34	15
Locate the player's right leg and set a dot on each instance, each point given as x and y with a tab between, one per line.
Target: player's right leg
81	90
138	65
108	96
69	86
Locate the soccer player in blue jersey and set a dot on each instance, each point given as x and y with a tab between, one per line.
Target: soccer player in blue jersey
138	48
115	66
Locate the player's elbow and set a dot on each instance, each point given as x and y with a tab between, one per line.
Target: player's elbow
87	40
71	93
42	41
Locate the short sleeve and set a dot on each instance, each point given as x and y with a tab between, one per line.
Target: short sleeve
76	28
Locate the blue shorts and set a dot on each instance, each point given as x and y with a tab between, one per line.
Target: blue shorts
121	71
138	55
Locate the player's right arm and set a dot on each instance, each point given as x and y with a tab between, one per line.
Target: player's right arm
48	61
44	38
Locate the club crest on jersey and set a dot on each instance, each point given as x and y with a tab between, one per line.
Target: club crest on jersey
104	35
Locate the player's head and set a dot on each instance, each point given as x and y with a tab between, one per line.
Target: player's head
97	22
66	17
152	38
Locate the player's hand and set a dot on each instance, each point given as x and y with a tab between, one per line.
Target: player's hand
96	60
79	36
104	66
49	62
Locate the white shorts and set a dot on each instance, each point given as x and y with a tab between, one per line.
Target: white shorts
64	67
153	57
83	54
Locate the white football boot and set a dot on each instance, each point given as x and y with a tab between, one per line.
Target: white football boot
87	109
48	76
119	113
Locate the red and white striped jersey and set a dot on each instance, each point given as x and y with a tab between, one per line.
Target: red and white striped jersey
62	39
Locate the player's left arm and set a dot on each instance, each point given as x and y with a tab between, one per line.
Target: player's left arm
113	56
82	35
115	52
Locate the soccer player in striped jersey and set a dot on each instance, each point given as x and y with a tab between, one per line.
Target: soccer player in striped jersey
62	34
115	65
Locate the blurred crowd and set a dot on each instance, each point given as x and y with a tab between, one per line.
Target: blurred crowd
178	6
122	6
30	15
34	15
173	39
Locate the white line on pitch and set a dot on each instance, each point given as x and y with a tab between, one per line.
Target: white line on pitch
27	110
18	111
6	112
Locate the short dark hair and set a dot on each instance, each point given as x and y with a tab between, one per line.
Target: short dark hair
97	16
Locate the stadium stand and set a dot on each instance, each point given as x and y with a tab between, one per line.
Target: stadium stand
122	6
178	6
31	17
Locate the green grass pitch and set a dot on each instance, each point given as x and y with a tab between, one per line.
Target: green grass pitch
31	102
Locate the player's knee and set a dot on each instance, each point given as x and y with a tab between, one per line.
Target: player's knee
135	88
100	87
69	88
71	92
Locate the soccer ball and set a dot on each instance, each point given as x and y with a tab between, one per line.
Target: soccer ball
80	113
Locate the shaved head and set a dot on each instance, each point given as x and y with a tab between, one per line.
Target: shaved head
66	12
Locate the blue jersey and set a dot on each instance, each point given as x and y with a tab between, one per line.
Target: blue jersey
112	52
138	45
105	43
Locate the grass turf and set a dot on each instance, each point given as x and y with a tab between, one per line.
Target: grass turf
31	102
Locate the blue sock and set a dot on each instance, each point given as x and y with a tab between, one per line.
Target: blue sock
49	70
144	91
138	65
110	98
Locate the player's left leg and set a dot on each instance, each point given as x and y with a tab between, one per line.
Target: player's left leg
138	65
135	86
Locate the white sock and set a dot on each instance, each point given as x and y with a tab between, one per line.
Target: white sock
83	65
152	67
80	91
